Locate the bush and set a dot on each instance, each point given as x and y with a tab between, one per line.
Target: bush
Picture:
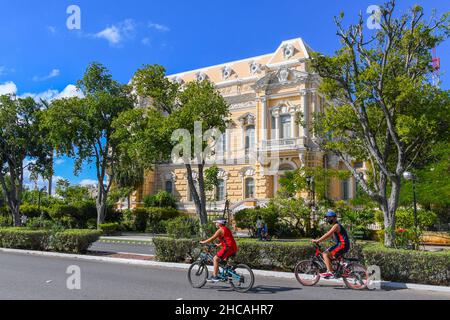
410	266
33	211
110	229
25	239
6	221
38	224
246	219
183	228
157	218
74	241
176	250
405	218
162	199
138	218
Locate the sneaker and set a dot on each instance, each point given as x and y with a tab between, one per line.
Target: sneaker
214	279
327	275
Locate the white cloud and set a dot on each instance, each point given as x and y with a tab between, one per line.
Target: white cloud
158	27
8	88
59	162
88	182
117	34
69	92
53	74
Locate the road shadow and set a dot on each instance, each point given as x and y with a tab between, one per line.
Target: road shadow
261	289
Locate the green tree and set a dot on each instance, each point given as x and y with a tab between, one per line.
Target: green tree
81	128
296	181
22	148
385	109
148	133
71	193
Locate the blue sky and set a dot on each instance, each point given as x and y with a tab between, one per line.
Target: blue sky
39	55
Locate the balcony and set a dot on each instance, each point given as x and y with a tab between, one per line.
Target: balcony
283	144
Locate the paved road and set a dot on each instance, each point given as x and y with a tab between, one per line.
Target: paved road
123	248
32	277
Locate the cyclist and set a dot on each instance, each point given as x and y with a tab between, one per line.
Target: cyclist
227	244
342	246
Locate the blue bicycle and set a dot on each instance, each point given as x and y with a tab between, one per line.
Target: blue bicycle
240	277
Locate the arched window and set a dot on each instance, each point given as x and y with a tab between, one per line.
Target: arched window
220	191
169	186
249	188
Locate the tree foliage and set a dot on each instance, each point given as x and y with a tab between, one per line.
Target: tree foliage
385	109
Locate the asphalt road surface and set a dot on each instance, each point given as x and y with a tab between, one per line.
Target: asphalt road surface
42	278
148	249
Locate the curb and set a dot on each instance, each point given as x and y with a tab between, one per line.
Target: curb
182	266
133	242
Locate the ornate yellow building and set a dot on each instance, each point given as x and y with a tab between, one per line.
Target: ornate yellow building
266	94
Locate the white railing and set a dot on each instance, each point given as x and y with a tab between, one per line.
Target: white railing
283	144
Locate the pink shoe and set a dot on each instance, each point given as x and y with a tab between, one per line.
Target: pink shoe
327	275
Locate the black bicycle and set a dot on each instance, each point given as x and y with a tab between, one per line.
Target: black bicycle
240	277
353	273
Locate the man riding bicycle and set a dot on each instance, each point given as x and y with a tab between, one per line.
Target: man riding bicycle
342	246
227	244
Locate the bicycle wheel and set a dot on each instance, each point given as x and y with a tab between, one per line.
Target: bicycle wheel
356	276
241	278
198	274
307	273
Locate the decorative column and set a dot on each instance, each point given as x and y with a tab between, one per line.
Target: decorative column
305	109
263	131
277	125
315	108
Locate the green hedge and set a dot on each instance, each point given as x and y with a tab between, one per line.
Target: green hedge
396	265
68	241
410	266
110	229
74	241
26	239
176	250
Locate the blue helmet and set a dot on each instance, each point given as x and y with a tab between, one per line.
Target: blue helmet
331	214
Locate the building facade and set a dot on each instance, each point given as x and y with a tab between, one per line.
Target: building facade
265	138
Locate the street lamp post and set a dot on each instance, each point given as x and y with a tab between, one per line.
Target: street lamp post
312	186
411	177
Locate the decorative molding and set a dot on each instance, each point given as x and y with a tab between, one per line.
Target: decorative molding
288	51
201	76
247	172
243	105
226	72
249	119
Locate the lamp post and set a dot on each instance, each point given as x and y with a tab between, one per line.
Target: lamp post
411	177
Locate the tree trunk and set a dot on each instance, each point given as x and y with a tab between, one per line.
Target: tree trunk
389	208
201	186
193	191
101	207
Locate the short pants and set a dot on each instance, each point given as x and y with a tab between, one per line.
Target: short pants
338	250
226	253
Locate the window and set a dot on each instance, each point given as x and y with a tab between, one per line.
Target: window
345	190
169	186
221	146
273	131
249	188
220	191
286	127
250	140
